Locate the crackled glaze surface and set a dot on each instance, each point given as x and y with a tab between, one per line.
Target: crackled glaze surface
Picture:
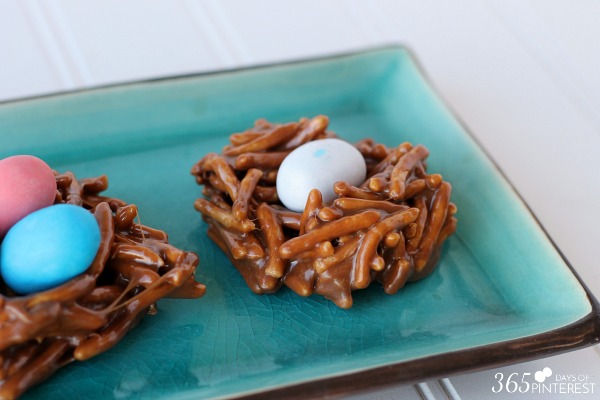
499	277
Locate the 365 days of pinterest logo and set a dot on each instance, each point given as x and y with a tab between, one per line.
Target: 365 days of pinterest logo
544	381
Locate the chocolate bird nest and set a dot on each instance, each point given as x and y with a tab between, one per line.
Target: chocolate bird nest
134	267
389	229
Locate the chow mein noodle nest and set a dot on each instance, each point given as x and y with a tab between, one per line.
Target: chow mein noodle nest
134	267
389	229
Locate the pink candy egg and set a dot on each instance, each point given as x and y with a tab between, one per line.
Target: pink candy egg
26	185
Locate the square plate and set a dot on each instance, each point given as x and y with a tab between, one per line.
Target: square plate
502	292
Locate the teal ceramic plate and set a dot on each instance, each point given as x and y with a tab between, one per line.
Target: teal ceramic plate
502	292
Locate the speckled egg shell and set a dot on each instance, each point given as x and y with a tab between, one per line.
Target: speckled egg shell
318	165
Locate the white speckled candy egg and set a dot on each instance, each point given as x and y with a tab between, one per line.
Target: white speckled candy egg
49	247
318	165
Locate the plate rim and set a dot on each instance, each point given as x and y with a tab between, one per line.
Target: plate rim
579	334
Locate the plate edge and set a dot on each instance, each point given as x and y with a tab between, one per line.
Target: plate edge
586	331
296	61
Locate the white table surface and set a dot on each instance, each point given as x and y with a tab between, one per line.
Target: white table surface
524	75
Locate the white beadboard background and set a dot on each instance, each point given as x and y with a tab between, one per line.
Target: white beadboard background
524	75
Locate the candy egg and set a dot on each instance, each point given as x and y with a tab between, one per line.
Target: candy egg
318	165
26	184
49	247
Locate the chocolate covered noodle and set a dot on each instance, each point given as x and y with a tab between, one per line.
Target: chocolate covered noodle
389	229
134	267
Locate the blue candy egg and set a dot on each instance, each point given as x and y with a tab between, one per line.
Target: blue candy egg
49	247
